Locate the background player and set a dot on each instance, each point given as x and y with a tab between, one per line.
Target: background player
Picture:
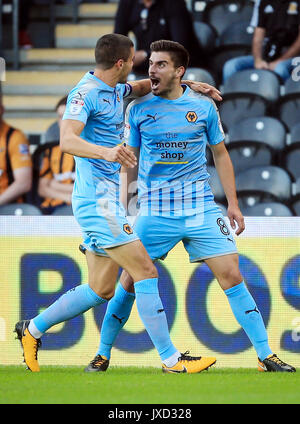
169	131
92	131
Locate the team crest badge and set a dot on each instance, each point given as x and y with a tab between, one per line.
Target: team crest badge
191	116
127	229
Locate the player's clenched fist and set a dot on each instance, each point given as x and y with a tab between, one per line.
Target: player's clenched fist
122	155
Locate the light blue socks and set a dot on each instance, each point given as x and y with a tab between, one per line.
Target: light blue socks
154	317
69	305
117	314
248	316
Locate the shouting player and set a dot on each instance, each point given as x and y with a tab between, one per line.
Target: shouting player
168	131
92	130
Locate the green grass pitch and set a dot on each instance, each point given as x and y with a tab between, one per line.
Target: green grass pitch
118	385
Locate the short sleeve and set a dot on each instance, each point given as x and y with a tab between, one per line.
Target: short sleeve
132	134
215	132
79	106
19	151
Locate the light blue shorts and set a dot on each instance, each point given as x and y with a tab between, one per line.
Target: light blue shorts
103	225
204	235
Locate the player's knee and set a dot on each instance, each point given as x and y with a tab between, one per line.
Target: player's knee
231	277
105	291
127	281
150	270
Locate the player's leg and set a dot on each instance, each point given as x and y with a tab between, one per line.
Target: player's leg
102	273
117	313
149	303
245	310
213	243
134	259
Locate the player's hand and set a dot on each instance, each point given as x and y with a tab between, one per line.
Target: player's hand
204	88
236	219
120	154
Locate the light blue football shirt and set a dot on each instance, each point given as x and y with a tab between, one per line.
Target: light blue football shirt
100	108
172	136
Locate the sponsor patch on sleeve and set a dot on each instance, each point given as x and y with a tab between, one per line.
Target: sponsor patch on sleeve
76	104
24	149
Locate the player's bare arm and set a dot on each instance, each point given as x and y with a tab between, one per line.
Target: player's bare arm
140	88
225	171
143	87
128	176
72	143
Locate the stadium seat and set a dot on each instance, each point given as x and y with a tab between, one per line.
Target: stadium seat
63	210
296	207
222	13
237	34
295	200
262	128
222	54
206	35
267	209
197	9
295	133
248	154
263	184
288	109
288	106
291	154
236	107
19	209
255	142
291	86
215	184
261	82
199	74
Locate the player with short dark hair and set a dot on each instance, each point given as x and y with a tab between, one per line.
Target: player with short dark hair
93	131
168	131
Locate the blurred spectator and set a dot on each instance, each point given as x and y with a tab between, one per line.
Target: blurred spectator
152	20
57	174
52	133
276	39
15	163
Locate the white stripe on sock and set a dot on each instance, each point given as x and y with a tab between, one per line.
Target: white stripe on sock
34	331
172	360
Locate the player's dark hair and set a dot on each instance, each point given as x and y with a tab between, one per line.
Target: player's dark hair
110	48
178	53
61	102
